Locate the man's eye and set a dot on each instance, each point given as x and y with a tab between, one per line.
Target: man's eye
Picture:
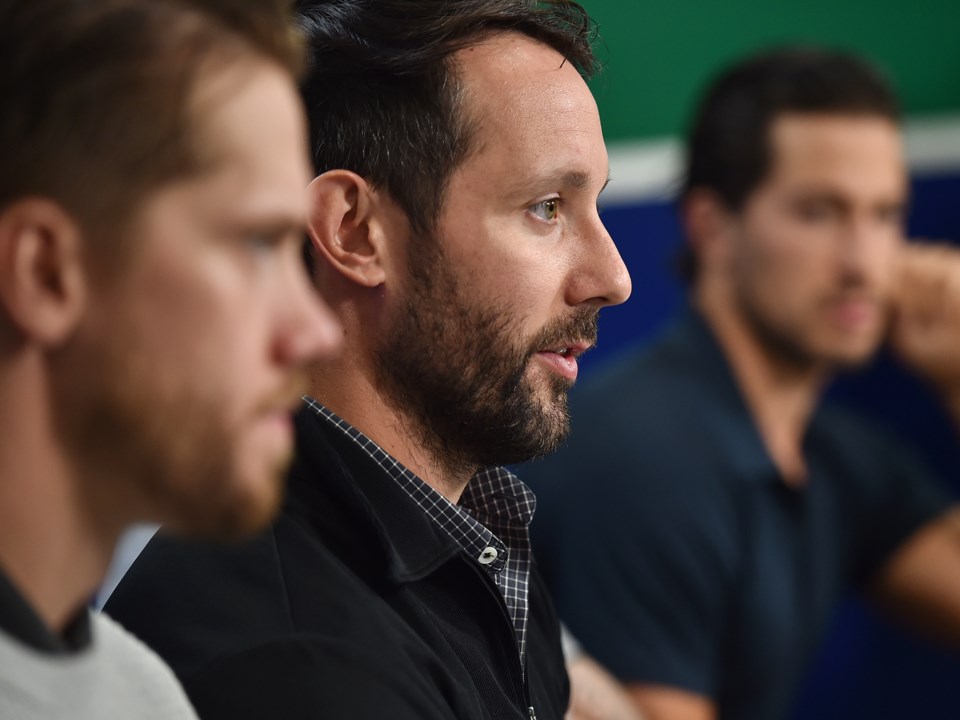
814	212
262	241
547	210
891	216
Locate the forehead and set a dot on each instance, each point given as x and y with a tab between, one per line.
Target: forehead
529	107
857	153
251	127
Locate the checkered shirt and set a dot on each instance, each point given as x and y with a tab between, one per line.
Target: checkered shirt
494	501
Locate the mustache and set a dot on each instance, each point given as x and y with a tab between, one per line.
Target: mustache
288	396
581	325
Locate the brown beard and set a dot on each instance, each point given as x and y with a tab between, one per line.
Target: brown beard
152	447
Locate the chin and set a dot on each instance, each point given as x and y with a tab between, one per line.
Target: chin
259	504
854	356
242	507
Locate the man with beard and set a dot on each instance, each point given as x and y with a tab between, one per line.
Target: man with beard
709	512
154	315
455	233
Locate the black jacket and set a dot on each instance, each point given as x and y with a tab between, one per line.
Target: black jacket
353	605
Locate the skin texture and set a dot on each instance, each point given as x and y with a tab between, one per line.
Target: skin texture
810	277
160	389
523	266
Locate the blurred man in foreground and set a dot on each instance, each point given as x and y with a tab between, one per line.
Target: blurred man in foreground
154	315
709	512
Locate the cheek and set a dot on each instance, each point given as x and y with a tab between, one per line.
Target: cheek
785	260
205	306
885	262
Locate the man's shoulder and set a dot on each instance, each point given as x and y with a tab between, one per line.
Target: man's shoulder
640	370
138	669
853	439
188	599
645	424
115	676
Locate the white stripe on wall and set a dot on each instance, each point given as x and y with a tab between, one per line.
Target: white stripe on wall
649	171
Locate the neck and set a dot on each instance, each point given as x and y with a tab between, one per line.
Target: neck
53	547
781	395
347	386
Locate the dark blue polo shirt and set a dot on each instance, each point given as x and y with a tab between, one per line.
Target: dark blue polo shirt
676	553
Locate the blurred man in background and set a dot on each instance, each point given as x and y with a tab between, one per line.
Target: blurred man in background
709	511
154	315
455	232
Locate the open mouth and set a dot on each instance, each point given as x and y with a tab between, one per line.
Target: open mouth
573	350
562	359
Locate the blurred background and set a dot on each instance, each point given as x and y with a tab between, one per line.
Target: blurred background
658	56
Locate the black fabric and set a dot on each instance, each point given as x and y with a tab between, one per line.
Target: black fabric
676	553
19	620
352	605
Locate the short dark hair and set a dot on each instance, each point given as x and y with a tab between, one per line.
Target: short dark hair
383	96
728	147
97	94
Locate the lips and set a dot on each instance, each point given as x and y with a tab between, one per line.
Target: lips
852	313
572	350
562	359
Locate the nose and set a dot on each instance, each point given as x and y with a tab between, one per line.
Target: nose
866	243
308	329
600	277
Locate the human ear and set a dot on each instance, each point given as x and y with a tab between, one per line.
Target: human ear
343	226
42	278
710	227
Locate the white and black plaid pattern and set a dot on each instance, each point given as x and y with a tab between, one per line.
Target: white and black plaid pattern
494	501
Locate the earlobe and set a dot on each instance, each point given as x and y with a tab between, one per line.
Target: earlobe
42	277
344	228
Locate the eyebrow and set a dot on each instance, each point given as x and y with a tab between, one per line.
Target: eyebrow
575	180
274	225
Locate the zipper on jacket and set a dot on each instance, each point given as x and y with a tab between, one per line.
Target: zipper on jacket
494	591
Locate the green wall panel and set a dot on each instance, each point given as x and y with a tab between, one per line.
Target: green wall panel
657	55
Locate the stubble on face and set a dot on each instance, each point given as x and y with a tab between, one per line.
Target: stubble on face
141	437
790	345
460	371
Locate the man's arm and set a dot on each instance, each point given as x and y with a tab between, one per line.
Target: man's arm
920	584
659	702
596	695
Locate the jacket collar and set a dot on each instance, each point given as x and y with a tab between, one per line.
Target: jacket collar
358	508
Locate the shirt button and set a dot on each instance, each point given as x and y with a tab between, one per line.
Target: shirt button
488	555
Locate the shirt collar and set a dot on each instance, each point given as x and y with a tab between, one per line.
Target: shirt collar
494	500
720	399
19	620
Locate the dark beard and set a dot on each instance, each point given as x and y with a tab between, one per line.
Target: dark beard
459	372
778	344
786	348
